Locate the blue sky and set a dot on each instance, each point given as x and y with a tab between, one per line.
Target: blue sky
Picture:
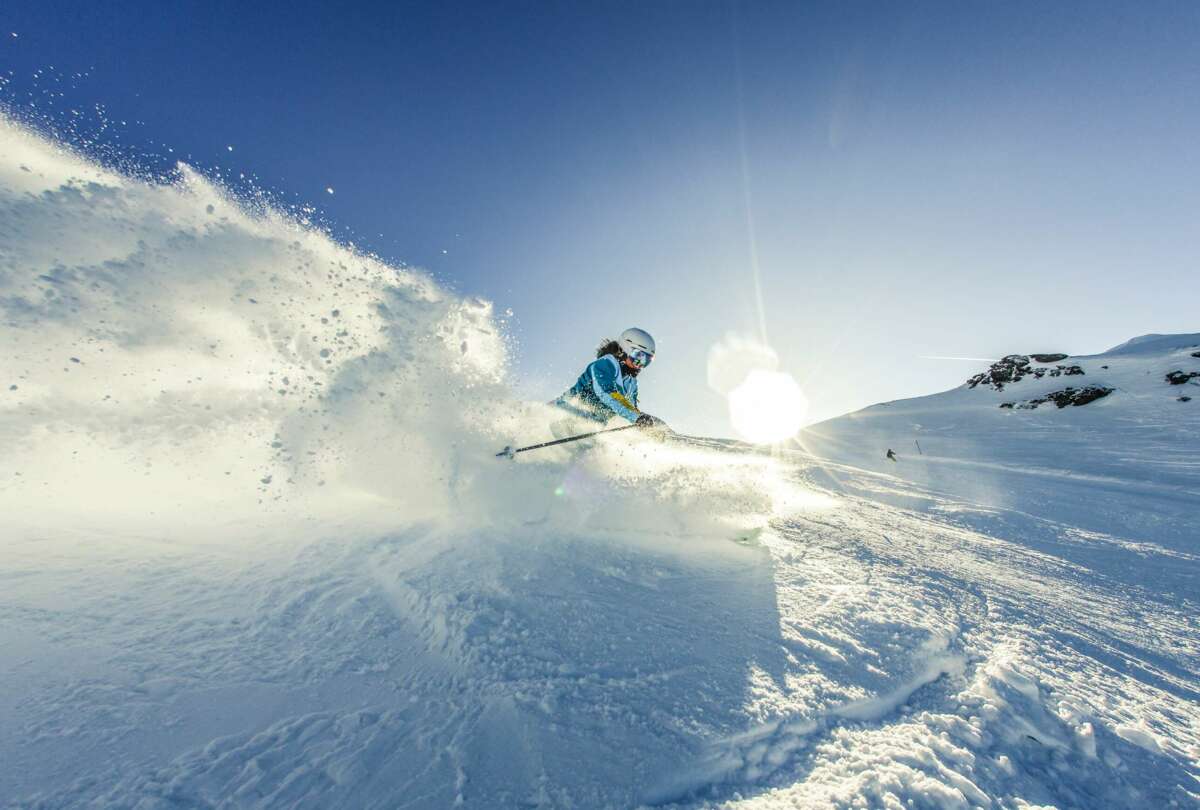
915	179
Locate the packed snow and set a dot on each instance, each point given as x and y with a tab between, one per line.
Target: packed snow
256	550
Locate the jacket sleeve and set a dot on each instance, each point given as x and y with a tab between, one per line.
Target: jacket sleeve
604	384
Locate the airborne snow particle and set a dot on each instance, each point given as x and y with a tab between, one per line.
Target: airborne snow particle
230	148
328	189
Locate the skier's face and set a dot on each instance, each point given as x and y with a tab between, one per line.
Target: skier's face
638	360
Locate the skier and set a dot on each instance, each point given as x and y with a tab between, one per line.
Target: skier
891	454
608	387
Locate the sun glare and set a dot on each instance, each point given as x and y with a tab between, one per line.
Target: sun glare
767	407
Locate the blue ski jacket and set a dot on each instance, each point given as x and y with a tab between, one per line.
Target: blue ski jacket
602	390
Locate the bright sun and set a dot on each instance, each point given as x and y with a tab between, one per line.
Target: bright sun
767	407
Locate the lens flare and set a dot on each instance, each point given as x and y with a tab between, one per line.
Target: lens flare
767	407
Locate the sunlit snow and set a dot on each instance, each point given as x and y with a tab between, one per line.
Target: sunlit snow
256	550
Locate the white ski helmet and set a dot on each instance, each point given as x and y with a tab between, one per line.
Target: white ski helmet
636	340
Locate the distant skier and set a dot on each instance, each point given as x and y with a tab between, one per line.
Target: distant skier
891	454
608	387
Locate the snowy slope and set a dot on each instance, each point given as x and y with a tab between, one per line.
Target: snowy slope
1084	464
256	551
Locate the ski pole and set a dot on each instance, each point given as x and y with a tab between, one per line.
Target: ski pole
510	451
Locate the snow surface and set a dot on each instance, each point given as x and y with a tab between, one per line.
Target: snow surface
256	551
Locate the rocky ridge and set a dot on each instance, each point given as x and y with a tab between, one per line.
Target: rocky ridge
1015	367
1063	398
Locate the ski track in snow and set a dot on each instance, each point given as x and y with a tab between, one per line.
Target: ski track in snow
863	653
281	573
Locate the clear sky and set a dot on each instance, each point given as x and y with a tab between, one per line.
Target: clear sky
912	180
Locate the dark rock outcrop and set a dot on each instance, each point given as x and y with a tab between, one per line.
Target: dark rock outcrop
1063	398
1081	396
1195	354
1180	377
1015	367
1047	358
1006	370
1185	399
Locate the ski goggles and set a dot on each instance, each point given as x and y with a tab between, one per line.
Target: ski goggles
640	358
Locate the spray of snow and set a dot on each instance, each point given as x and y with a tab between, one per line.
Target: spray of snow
171	353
